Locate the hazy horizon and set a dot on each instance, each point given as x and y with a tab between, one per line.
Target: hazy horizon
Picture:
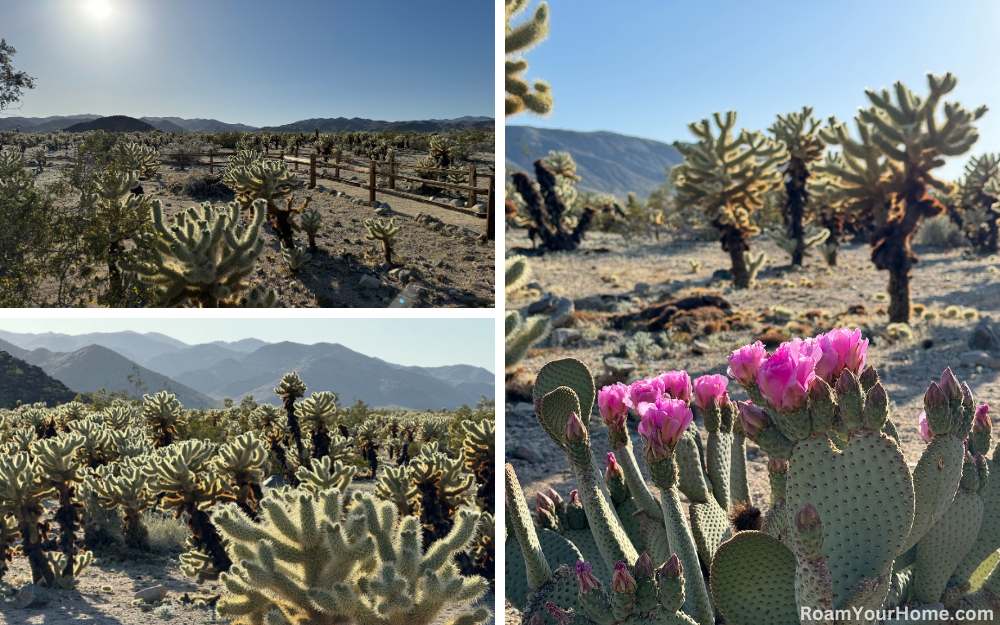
674	63
409	342
253	62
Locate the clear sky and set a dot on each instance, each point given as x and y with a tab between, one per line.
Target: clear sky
412	342
647	68
254	62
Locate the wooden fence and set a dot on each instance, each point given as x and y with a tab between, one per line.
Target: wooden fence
375	171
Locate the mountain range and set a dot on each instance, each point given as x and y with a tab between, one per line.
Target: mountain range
203	375
178	124
607	162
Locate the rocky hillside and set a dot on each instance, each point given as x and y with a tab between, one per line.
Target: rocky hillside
607	162
114	123
27	384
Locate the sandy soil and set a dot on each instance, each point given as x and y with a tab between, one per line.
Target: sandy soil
607	265
452	267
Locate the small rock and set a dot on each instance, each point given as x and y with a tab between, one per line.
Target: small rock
382	212
721	274
640	288
31	596
591	302
559	309
370	282
152	594
376	204
394	273
458	203
563	336
526	450
275	481
985	336
699	348
405	276
481	208
386	206
979	358
409	297
619	365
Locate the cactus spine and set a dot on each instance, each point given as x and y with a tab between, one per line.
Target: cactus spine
518	39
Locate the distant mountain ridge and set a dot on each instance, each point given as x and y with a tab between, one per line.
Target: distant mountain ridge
21	382
114	123
178	124
202	375
607	162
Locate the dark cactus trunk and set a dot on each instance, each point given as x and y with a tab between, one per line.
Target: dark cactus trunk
548	211
320	442
835	224
435	513
68	518
31	546
293	422
734	241
891	245
795	188
207	536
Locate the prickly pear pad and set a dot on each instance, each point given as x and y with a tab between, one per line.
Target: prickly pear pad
557	550
935	482
945	544
864	496
988	541
710	526
753	580
554	411
572	373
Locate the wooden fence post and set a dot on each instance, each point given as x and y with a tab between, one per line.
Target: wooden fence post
182	161
490	234
336	169
472	183
392	170
312	171
371	183
211	163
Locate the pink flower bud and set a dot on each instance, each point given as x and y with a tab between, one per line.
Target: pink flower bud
744	362
777	465
588	582
949	385
672	568
676	384
554	496
574	498
784	378
753	419
934	397
662	426
544	503
643	566
621	581
807	517
575	431
612	404
709	387
924	427
613	470
982	421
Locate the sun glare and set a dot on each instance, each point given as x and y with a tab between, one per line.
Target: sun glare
99	9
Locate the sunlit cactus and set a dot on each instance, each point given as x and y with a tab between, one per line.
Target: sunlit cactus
318	414
126	491
162	413
384	231
480	459
517	40
243	462
135	157
266	180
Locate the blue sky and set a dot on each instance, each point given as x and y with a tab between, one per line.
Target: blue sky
649	67
412	342
254	62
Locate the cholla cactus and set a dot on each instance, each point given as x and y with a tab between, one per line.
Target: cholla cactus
518	39
162	413
307	564
267	180
310	223
21	497
725	177
517	272
295	257
367	436
318	414
548	211
322	474
8	534
520	335
204	258
892	193
384	231
120	216
243	462
126	491
187	478
978	193
59	471
441	484
480	460
135	157
291	389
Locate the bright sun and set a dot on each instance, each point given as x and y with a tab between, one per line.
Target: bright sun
99	9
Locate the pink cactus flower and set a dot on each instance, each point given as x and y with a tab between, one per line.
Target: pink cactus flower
613	470
588	582
924	427
621	580
662	426
644	393
744	362
841	349
611	402
982	421
784	378
708	387
676	384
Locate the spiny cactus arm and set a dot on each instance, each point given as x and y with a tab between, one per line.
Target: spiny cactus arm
537	568
644	499
322	476
519	337
517	272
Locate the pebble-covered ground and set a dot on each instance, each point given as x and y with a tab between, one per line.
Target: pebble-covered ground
609	266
